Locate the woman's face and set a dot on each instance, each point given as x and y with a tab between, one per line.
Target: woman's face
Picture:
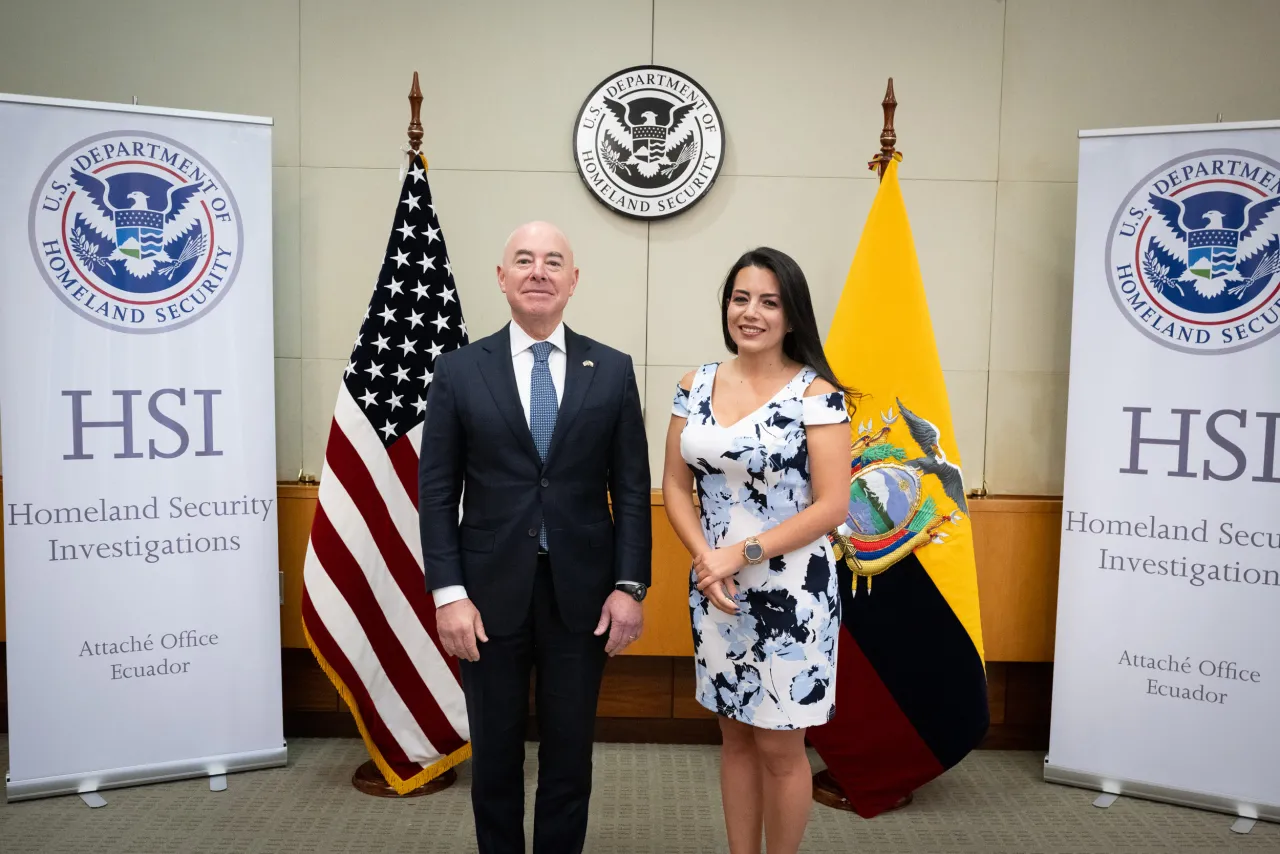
757	323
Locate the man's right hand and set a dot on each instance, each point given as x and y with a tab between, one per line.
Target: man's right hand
460	627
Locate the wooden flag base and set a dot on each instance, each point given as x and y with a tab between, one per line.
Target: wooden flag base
369	780
827	792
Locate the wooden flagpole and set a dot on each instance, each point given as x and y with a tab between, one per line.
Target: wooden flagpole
888	136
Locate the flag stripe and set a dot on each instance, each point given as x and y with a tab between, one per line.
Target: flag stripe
364	441
382	469
398	677
404	458
353	660
337	661
415	441
378	739
404	605
387	545
923	655
874	773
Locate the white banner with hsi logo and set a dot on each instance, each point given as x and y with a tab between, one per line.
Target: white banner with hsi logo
137	419
1167	667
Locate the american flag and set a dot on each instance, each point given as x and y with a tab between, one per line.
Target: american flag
365	609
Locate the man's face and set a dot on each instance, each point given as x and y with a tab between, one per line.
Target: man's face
537	274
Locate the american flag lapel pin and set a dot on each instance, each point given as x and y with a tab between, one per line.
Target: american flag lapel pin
587	363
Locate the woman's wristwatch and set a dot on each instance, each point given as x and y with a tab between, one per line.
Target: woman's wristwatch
752	551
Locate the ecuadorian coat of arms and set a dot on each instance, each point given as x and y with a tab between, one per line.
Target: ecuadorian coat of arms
890	513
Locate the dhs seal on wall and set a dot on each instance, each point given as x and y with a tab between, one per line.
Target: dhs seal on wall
135	232
649	142
1193	254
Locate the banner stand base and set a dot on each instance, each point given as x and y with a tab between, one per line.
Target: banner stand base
90	782
1105	800
1243	825
218	783
1152	792
93	800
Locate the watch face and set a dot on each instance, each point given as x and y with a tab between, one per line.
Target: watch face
755	551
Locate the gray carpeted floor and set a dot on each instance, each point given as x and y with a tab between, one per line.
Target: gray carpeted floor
657	799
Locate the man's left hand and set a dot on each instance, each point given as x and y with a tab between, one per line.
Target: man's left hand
623	618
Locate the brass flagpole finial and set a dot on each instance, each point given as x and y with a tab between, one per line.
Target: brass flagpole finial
888	136
415	115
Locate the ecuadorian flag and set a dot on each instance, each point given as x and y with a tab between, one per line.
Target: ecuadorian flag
911	691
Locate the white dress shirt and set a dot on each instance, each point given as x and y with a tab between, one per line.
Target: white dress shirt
522	362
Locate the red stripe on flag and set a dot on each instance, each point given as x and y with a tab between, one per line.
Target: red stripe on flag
392	657
337	662
875	773
347	466
876	545
404	457
350	470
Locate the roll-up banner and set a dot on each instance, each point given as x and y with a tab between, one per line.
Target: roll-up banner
137	419
1167	668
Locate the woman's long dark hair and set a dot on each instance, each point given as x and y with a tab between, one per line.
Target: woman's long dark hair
802	344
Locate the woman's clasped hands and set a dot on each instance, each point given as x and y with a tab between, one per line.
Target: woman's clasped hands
715	570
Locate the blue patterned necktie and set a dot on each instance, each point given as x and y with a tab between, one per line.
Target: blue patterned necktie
543	407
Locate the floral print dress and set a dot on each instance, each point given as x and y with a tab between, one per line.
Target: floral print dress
772	665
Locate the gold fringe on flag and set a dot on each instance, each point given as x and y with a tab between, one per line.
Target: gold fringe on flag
394	780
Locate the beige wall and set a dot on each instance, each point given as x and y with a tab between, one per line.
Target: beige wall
992	93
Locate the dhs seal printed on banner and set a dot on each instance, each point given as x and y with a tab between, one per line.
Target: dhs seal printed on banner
649	142
136	232
1193	254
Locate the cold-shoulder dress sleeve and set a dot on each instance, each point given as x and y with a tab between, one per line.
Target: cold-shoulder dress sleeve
680	406
825	409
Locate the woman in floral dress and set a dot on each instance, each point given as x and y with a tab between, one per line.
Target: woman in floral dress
765	438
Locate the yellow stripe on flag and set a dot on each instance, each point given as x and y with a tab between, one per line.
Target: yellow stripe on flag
881	344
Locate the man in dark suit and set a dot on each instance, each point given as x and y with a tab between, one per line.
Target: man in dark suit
532	430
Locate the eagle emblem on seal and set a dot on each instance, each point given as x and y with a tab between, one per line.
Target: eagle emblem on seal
651	135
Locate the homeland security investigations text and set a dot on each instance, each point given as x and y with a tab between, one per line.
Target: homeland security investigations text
150	550
1197	573
26	514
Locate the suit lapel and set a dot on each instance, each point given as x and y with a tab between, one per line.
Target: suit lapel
577	380
500	377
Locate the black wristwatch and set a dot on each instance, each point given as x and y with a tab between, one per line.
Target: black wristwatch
634	589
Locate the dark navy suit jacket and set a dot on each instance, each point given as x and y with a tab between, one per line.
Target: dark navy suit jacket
477	451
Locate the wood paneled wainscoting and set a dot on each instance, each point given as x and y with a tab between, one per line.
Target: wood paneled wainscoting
648	692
